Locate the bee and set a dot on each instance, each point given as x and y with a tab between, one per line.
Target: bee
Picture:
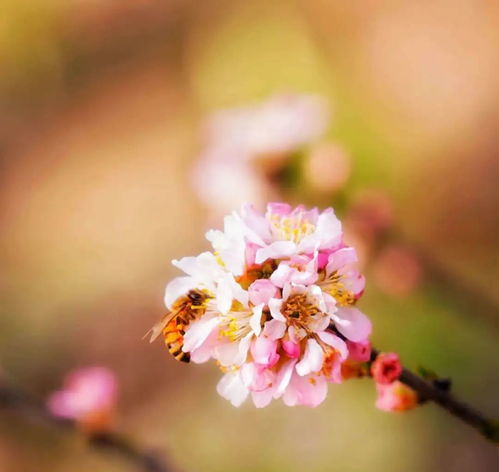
175	322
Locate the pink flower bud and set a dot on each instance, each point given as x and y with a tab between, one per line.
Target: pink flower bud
360	351
396	397
386	368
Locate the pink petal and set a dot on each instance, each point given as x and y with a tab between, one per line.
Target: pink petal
310	391
291	349
341	258
283	377
336	342
353	324
274	329
264	351
263	398
261	291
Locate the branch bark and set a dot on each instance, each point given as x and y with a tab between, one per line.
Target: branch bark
431	391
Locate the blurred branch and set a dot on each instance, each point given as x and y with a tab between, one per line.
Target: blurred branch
438	393
106	441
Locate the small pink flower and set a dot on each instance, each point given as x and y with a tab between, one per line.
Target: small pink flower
386	368
89	396
396	396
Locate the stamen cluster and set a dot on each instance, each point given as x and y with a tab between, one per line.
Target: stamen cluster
278	315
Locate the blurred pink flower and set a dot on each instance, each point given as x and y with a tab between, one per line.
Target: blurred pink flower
386	368
397	271
327	168
278	125
88	396
246	147
396	396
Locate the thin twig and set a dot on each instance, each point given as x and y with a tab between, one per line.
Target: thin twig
441	396
15	398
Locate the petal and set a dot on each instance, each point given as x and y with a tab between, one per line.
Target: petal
204	352
281	275
264	351
310	391
198	332
352	323
341	258
256	319
275	250
232	388
334	341
283	377
263	398
291	349
275	309
224	296
274	329
261	291
178	287
312	359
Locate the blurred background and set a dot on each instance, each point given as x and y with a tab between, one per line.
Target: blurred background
104	111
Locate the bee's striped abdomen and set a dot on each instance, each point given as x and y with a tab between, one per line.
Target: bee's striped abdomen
174	340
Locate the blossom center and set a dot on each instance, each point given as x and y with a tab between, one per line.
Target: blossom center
291	228
337	289
298	310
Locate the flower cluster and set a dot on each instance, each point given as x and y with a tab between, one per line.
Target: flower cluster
273	305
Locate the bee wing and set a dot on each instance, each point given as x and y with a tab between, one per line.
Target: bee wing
157	329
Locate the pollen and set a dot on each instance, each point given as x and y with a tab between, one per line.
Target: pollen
291	228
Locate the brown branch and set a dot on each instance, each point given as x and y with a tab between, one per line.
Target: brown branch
438	393
34	410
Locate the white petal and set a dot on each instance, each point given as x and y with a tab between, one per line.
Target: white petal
199	331
224	296
178	287
276	250
232	388
312	359
275	309
283	377
256	319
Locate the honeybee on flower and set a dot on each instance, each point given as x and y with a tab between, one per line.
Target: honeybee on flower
273	304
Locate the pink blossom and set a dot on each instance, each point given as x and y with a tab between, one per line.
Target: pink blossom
273	305
396	396
88	396
386	368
